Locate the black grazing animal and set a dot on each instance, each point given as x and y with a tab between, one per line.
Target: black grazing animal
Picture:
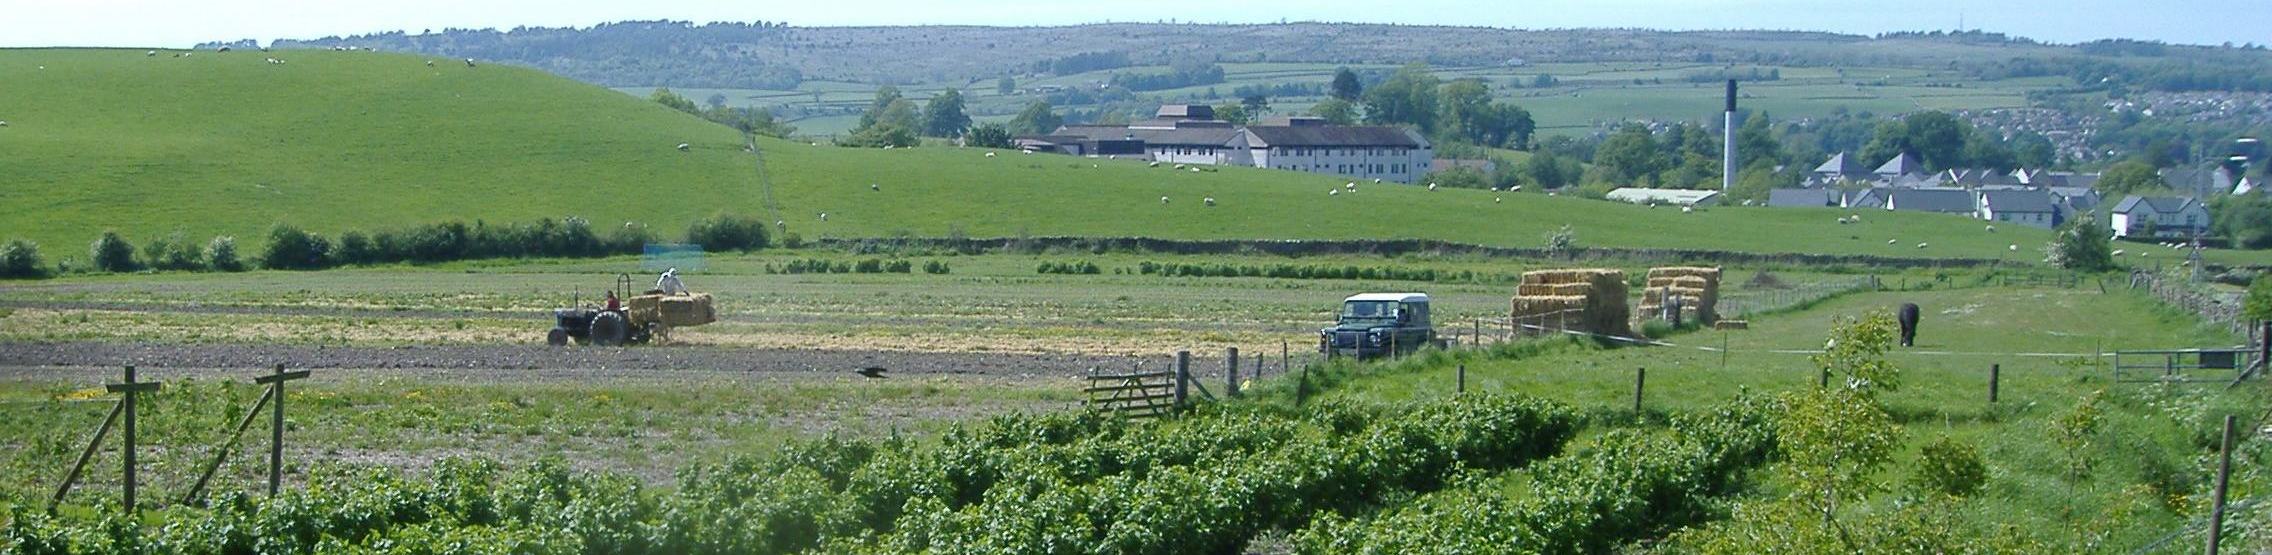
1908	324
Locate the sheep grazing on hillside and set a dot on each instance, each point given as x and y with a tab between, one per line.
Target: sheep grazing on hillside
429	63
1333	192
1841	220
1922	245
2015	248
1494	189
824	216
1991	229
782	224
1687	209
3	124
1431	186
469	62
875	187
1892	241
1351	186
684	147
1517	188
1163	199
1376	181
1179	166
1194	170
1154	164
1495	200
222	49
152	54
888	147
2118	252
989	155
1210	201
1027	152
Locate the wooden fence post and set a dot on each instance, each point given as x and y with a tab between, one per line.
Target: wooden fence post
276	431
1640	376
1182	377
1995	377
1231	374
1463	378
1825	380
2224	473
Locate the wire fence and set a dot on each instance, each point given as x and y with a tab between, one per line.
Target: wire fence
1744	304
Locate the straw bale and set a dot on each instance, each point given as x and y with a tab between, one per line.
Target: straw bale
1555	290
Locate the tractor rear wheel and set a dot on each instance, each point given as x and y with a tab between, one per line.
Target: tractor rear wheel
557	337
609	329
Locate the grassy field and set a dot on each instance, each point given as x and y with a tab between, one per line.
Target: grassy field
2151	462
240	145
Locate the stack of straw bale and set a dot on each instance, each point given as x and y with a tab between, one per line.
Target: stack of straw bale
1594	297
1697	287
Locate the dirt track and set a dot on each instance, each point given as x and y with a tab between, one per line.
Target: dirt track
633	360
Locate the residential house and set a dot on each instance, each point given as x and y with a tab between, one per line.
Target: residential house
2159	217
1839	169
1903	164
2199	182
2025	207
1675	197
1802	198
1874	197
1944	200
2074	201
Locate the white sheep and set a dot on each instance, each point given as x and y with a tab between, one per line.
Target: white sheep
1210	201
1333	192
1991	229
1194	170
2015	248
1495	200
1179	166
824	216
1431	186
783	224
1687	209
1026	152
1892	241
989	155
685	147
1163	199
1154	164
469	62
2118	252
1922	245
3	124
429	63
875	187
1376	181
1856	217
888	147
1494	189
1351	186
1516	188
152	54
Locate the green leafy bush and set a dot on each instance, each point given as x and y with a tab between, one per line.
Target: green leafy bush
221	255
292	248
111	253
1949	467
20	259
727	232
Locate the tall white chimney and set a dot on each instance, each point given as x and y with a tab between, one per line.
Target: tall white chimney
1728	150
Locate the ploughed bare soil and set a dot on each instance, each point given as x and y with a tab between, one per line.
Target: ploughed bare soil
626	360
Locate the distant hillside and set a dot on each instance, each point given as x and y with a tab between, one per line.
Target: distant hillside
776	56
227	143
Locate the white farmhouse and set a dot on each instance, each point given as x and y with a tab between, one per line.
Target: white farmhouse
2168	217
1310	145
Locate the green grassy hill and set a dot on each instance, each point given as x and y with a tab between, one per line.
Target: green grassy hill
226	143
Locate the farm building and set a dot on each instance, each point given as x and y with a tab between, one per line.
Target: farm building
2025	207
2159	217
1674	197
1386	153
1188	134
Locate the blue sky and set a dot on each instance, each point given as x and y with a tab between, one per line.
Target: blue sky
178	23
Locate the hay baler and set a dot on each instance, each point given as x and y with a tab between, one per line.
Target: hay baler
641	318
